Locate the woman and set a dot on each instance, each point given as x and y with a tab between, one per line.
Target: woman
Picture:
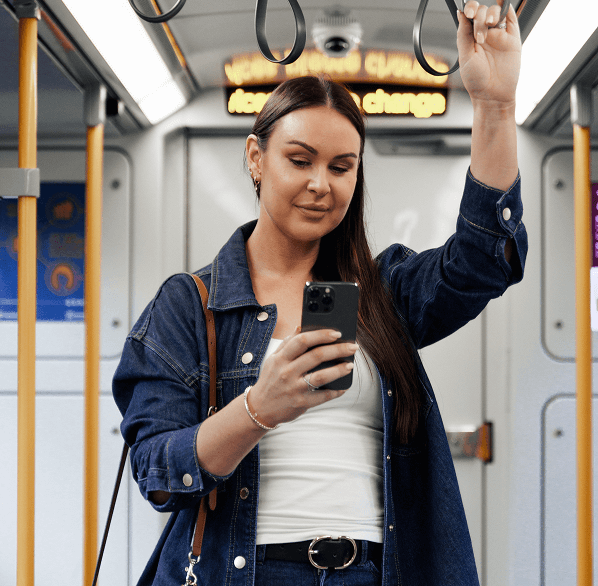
370	464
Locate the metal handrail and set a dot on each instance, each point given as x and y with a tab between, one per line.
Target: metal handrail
27	297
581	105
95	112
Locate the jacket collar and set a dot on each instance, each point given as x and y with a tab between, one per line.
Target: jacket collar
231	283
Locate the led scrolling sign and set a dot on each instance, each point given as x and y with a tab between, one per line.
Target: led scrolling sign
381	82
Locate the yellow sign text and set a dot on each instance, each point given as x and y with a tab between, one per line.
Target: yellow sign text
420	105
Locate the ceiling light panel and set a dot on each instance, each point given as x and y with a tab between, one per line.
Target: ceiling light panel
119	36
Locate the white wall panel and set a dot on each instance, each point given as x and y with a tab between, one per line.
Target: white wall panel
221	196
59	375
558	283
559	527
59	492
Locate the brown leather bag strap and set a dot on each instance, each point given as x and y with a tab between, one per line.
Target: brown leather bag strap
211	334
211	331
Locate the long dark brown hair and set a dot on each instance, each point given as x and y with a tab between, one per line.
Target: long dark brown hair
345	253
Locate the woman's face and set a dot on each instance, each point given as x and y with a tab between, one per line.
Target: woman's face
308	172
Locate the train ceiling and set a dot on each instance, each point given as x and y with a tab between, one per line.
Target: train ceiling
208	34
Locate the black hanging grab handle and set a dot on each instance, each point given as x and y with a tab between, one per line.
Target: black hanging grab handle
261	8
160	17
417	33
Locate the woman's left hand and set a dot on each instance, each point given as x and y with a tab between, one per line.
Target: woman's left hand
489	58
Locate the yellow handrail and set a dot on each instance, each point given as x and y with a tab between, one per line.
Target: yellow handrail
93	238
583	262
27	285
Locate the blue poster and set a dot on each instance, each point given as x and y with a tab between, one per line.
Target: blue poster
60	253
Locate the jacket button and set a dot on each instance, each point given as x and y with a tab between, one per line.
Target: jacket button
244	493
187	480
247	358
239	562
506	214
388	457
262	316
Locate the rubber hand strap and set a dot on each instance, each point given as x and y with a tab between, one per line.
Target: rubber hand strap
417	33
261	8
160	17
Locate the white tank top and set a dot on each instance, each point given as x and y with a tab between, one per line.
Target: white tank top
322	473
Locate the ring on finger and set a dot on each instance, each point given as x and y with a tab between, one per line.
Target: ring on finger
502	25
309	385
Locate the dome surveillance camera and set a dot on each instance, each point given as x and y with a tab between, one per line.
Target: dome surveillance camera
336	34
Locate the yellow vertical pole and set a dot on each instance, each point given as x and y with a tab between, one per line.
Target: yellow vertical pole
95	111
580	113
27	284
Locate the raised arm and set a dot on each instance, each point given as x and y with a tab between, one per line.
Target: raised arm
489	63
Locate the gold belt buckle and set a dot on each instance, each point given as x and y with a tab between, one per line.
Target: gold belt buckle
311	551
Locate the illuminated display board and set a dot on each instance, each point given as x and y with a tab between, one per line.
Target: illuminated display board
372	66
373	100
389	83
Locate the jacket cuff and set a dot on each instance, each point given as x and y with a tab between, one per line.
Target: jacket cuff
492	210
183	474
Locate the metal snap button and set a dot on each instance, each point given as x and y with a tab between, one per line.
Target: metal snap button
262	316
247	358
389	392
244	493
506	214
187	480
240	562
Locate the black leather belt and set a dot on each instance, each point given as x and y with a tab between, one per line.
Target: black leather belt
325	552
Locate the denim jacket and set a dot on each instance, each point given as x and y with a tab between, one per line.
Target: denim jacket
161	388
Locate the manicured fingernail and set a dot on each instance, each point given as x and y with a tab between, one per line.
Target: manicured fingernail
353	347
335	335
480	38
490	20
469	13
349	365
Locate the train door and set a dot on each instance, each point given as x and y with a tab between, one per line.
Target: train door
60	366
414	199
559	486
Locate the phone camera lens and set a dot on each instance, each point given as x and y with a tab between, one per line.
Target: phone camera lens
313	292
327	302
313	306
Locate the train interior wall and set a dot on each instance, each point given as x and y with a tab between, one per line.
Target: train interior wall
172	196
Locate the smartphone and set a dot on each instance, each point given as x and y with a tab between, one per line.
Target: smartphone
332	305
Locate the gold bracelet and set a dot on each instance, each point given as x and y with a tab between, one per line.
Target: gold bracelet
261	425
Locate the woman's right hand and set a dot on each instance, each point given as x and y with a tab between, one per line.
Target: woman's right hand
281	393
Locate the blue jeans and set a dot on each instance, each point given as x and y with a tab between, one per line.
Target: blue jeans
362	572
